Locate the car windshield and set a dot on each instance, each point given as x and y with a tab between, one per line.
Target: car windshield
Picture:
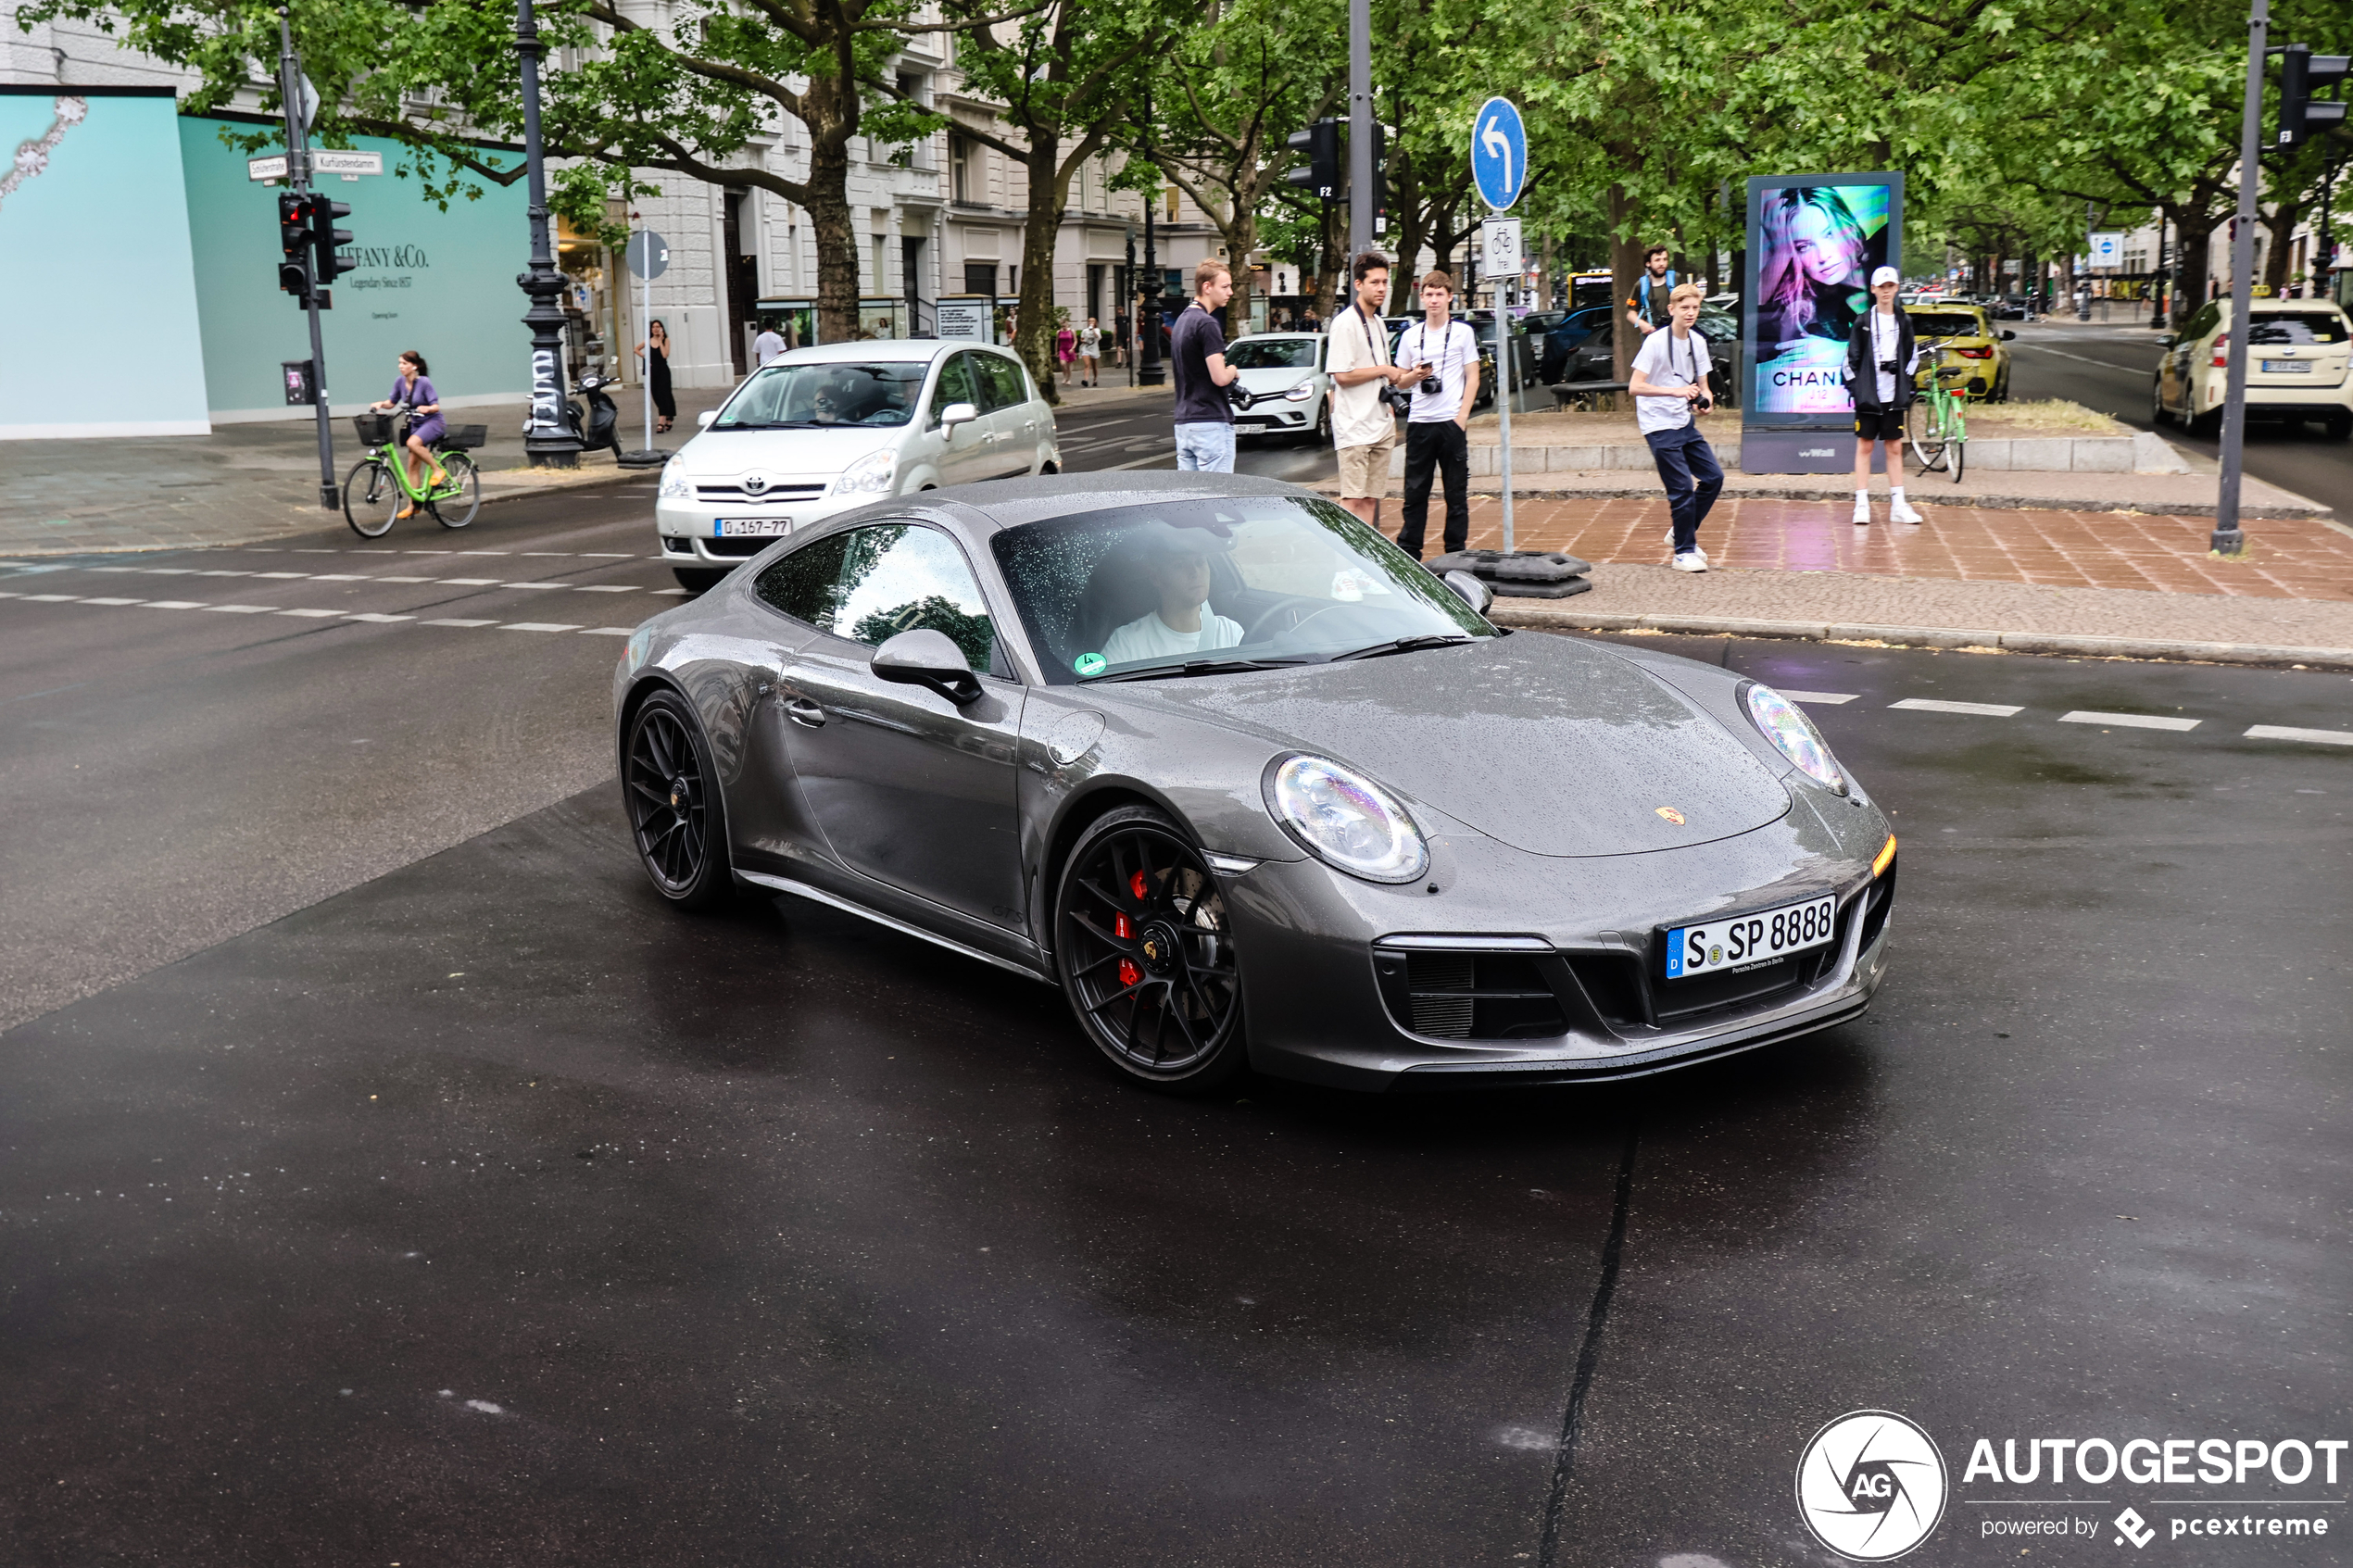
818	396
2302	327
1272	354
1136	591
1946	323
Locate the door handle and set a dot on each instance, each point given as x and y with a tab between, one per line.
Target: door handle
802	711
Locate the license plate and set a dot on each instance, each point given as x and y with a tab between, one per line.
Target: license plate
2287	367
750	527
1745	940
1250	427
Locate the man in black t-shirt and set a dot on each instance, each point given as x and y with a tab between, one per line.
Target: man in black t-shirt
1197	354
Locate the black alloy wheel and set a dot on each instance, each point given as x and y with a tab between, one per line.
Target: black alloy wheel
2158	413
1145	946
700	579
676	814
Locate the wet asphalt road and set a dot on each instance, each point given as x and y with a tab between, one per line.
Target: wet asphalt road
477	1208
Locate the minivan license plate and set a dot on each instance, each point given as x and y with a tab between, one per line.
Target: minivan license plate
750	527
2287	367
1757	938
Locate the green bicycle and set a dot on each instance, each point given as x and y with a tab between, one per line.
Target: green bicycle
378	489
1938	426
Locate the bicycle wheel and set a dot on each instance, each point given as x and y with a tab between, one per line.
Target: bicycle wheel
1925	429
456	511
1957	453
372	499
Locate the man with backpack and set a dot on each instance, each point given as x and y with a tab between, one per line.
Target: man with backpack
1647	308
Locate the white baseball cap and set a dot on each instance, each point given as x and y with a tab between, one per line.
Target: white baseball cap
1886	275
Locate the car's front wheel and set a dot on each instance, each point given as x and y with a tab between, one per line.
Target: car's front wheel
2158	413
699	579
677	818
1144	945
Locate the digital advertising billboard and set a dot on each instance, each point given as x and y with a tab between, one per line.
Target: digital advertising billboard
1813	241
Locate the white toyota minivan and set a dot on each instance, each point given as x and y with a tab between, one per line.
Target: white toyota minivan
824	429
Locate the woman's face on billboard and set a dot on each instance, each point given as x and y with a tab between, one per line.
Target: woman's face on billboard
1819	250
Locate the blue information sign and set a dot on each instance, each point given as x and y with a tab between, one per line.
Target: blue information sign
1499	154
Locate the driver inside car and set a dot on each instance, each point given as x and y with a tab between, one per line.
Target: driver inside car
1177	570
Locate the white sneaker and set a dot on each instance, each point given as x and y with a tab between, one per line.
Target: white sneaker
1691	561
1695	549
1862	514
1902	512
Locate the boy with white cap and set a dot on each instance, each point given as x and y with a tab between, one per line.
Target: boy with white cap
1881	358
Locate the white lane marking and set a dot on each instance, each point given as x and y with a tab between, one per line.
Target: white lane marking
475	582
608	630
281	574
2287	732
606	588
243	609
336	577
610	555
5	594
377	615
390	579
538	585
2129	720
316	614
113	601
1816	700
676	593
52	598
538	626
170	571
1932	705
425	552
547	552
178	604
486	552
462	623
224	574
118	569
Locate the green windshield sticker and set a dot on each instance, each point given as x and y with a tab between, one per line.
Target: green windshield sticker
1089	664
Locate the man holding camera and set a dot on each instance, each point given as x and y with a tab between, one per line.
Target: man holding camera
1881	358
1669	385
1443	357
1364	394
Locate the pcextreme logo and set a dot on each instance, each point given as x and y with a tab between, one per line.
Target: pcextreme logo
1872	1486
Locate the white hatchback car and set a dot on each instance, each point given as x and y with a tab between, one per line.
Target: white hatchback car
2296	367
824	429
1285	372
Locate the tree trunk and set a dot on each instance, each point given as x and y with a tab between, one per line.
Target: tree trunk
2195	233
1625	267
1333	294
1049	193
833	120
2280	225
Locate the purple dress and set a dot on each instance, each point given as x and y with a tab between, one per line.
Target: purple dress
426	427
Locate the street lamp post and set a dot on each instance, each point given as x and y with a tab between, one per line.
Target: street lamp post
1149	370
548	440
2228	540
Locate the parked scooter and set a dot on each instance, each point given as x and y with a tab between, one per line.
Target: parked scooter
603	429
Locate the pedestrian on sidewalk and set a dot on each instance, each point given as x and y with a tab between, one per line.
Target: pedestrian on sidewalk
655	351
1197	357
412	389
1647	308
1881	360
769	346
1440	357
1066	352
1090	354
1670	385
1364	384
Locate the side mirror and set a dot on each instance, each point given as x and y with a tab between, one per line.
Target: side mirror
2006	336
926	657
2166	340
702	420
1476	594
957	414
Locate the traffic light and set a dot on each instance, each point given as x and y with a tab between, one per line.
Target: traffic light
1320	141
2302	71
293	240
325	240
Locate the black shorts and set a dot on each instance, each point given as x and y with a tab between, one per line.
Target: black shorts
1879	426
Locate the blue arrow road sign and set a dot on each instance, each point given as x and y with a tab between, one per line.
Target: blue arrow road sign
1499	154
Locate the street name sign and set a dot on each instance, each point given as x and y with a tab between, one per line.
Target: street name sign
1499	154
323	162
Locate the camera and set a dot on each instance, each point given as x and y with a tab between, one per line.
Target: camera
1891	367
1431	386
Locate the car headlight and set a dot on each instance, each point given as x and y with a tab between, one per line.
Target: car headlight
675	484
1794	736
1346	820
1301	392
869	475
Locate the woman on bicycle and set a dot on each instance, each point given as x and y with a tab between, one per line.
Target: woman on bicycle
412	389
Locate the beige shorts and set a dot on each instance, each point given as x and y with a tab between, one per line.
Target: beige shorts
1364	471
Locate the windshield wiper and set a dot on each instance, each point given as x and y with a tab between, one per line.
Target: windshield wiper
1204	667
1407	644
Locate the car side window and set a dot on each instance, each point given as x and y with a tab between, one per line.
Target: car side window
801	584
1009	387
2203	322
894	577
955	386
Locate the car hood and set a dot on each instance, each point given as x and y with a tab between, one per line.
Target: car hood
729	454
1551	746
1273	379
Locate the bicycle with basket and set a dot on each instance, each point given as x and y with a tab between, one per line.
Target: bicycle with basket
378	486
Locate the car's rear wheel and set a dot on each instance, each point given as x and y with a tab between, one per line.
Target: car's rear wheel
2158	413
1145	946
676	816
699	579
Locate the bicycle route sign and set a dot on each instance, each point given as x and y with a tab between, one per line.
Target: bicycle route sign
1499	154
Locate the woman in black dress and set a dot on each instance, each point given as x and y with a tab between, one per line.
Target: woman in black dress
656	349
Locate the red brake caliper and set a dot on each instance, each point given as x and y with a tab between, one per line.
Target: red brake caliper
1121	925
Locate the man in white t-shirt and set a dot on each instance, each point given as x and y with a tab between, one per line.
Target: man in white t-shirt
1669	385
769	346
1184	624
1438	423
1356	355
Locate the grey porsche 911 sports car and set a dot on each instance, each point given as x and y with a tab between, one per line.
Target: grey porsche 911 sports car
1254	789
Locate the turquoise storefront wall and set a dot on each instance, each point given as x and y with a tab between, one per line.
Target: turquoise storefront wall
440	283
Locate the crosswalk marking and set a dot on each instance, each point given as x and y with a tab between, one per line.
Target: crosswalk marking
1936	705
2287	732
1818	700
538	626
2129	720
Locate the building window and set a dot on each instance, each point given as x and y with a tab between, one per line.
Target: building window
960	168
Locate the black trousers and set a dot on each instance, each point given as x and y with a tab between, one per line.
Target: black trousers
1445	444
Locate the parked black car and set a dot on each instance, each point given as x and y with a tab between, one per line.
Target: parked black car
1594	359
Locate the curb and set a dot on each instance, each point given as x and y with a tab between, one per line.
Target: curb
1982	503
1985	641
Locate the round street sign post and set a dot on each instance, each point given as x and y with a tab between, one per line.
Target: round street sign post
1499	168
647	254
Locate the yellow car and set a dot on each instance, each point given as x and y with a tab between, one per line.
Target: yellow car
1972	344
